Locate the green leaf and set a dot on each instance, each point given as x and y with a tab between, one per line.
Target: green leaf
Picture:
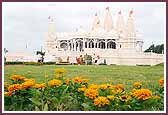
36	108
86	105
36	101
45	107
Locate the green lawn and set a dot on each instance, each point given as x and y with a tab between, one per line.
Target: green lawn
148	75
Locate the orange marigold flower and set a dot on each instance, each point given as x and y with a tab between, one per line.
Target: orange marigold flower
137	84
60	70
119	86
17	77
40	86
8	93
67	81
28	84
161	82
91	93
101	101
54	82
94	86
14	87
143	94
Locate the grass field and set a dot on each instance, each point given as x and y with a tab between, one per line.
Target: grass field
148	75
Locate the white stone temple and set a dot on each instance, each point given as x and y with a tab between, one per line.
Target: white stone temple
114	42
120	44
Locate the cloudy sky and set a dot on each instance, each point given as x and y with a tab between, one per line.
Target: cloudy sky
27	23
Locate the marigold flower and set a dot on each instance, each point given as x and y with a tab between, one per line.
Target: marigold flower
67	81
161	82
111	97
60	70
40	86
137	84
54	82
93	86
91	93
82	89
28	84
6	84
8	93
17	77
106	86
143	94
79	80
14	87
101	101
125	97
119	86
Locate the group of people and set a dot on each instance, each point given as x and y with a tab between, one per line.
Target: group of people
86	59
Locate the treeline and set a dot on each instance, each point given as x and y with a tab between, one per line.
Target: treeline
156	49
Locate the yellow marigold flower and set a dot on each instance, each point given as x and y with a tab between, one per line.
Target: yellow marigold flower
125	97
93	86
79	80
101	101
67	81
82	89
28	84
106	86
40	86
8	93
14	87
143	94
60	70
17	77
91	93
119	86
33	80
54	82
161	82
137	84
6	84
111	97
157	97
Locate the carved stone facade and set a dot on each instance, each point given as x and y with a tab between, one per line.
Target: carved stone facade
118	44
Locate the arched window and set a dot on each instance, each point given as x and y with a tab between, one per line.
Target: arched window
91	44
101	45
64	46
111	45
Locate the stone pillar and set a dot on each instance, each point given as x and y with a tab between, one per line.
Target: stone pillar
83	43
78	48
105	44
75	46
94	43
88	43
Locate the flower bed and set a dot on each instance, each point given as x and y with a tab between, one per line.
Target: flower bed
76	94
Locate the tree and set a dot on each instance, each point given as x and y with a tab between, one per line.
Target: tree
156	49
5	51
42	54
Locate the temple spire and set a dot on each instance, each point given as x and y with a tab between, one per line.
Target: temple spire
96	23
130	25
51	28
120	23
108	23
